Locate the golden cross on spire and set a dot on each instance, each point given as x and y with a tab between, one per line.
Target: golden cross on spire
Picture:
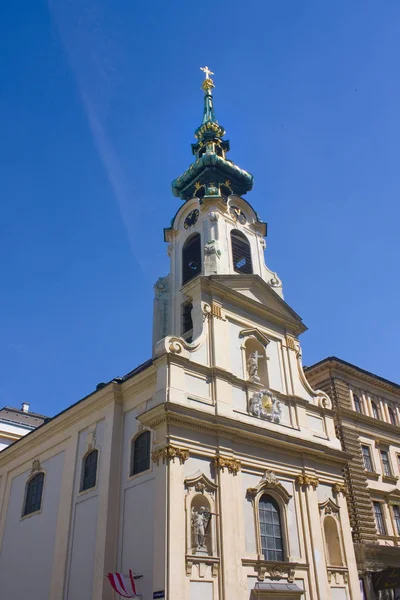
208	83
207	72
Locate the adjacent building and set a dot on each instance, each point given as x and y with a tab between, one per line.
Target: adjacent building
15	423
214	470
367	418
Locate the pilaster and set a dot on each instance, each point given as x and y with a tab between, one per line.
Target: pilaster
227	470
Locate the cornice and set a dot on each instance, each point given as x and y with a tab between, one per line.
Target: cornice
334	365
212	286
206	422
375	424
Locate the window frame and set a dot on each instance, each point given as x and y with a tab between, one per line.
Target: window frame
357	403
273	502
281	497
370	456
376	413
396	518
90	451
375	504
240	236
132	454
386	463
32	476
392	416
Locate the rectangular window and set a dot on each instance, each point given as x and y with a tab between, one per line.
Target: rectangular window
396	514
367	458
386	463
380	523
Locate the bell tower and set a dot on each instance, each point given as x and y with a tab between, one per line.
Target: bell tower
216	232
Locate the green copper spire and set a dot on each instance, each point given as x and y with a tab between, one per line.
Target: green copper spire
212	174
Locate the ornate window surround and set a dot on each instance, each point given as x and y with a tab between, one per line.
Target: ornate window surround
36	469
270	485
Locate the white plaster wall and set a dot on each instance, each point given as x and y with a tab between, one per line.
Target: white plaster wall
196	464
28	543
274	367
201	590
82	536
84	526
235	349
137	533
248	481
4	443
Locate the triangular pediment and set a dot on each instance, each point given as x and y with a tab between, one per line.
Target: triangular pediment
255	289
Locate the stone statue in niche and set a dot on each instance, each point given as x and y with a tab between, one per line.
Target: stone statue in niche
200	521
264	405
252	366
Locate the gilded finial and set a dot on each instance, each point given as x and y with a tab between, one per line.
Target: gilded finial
208	83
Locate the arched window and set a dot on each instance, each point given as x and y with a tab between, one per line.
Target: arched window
375	410
241	252
33	496
357	403
89	471
392	416
140	453
334	554
191	258
270	528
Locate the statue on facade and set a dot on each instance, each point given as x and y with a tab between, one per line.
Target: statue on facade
252	366
200	521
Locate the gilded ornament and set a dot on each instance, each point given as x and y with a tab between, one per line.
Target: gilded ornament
168	453
233	465
340	488
307	481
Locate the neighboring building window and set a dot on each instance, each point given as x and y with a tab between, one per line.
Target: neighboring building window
191	258
140	460
34	490
241	253
392	416
187	323
357	403
89	470
386	463
396	514
270	528
367	458
380	523
375	411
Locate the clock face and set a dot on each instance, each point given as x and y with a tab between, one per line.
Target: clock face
237	214
191	218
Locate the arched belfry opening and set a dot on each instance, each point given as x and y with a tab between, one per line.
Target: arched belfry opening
241	252
191	258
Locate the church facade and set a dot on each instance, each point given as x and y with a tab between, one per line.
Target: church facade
213	471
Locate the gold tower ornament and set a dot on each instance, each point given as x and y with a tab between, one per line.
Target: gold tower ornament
208	83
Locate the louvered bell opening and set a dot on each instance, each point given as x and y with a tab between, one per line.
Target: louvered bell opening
241	253
191	258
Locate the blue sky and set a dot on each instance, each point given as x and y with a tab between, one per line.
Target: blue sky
99	100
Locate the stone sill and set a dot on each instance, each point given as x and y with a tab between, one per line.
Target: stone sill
389	479
372	475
